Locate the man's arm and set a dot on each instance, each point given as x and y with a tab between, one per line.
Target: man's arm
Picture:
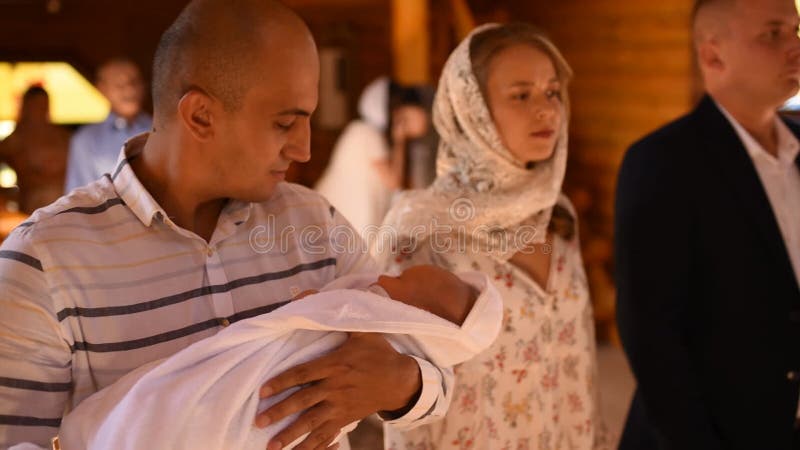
35	370
363	376
653	233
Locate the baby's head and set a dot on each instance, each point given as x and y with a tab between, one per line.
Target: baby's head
433	289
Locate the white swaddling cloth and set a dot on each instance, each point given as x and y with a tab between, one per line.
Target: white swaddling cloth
206	396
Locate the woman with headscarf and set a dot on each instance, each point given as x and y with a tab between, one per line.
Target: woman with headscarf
496	206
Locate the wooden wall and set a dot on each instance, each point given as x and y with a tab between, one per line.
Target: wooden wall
87	32
361	28
634	72
632	58
84	32
632	61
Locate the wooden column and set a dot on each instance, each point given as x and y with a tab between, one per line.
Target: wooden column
463	18
410	41
634	72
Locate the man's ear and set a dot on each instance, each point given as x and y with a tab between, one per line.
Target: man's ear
708	54
196	112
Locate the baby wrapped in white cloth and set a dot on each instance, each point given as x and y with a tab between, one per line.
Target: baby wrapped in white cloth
206	396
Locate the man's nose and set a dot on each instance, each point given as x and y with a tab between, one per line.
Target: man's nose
793	52
298	148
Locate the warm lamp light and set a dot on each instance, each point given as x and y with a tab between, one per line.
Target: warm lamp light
8	178
73	99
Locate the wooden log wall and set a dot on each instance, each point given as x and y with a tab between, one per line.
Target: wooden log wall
361	28
634	71
85	33
632	61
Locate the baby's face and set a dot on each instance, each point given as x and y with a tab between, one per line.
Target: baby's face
424	285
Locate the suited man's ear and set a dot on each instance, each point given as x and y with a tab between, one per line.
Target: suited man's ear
709	57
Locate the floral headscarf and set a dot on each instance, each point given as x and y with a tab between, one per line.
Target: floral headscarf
480	190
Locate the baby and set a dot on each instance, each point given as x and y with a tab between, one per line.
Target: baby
206	395
426	287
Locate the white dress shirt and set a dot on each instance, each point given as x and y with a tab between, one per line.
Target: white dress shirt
780	177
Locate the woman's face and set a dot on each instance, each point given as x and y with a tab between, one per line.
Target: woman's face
524	98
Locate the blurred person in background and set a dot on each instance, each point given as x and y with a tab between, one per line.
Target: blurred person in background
37	151
94	148
369	163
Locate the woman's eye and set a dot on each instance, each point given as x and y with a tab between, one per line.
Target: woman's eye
553	93
522	96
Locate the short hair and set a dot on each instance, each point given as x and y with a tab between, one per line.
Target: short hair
402	95
703	4
211	47
702	12
177	65
485	45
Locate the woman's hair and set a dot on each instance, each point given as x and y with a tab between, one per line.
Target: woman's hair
485	45
399	96
33	91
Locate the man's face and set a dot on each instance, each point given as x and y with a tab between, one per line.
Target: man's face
121	83
761	52
271	129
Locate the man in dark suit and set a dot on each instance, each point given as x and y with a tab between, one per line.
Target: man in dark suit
708	246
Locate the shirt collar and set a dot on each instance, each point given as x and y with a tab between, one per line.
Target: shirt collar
139	200
788	146
128	186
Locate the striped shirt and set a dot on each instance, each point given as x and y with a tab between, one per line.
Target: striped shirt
102	281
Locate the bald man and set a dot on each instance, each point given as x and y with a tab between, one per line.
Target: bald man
708	246
94	148
193	230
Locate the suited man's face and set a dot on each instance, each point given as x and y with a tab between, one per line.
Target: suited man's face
760	55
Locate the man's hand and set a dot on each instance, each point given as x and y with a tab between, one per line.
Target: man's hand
363	376
305	294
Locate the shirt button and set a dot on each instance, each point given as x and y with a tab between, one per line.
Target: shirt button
210	251
224	322
792	375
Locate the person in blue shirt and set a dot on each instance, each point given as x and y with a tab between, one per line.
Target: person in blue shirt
94	148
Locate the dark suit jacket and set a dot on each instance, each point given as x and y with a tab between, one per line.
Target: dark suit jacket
708	303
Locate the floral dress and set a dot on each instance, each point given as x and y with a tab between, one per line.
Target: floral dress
535	387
